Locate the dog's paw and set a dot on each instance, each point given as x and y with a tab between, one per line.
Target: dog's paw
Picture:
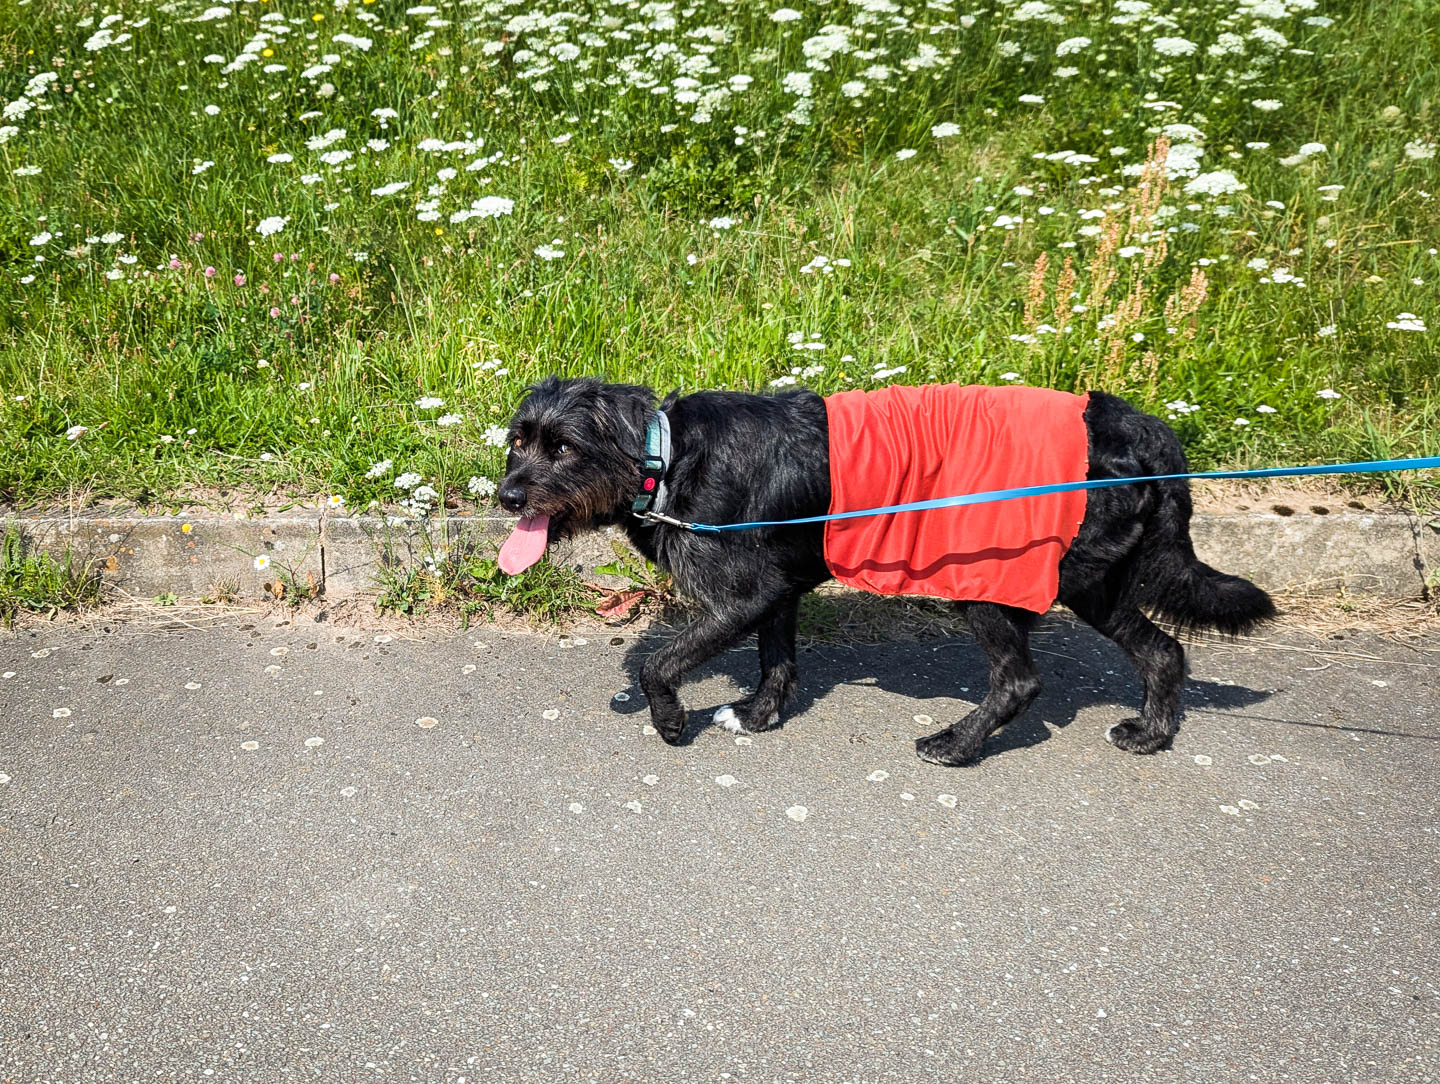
672	735
668	721
740	719
945	749
726	718
1132	737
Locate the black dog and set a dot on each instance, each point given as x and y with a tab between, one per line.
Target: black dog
576	461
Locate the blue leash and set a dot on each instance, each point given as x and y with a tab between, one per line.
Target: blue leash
1372	467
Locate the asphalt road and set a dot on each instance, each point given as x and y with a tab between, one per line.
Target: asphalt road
234	854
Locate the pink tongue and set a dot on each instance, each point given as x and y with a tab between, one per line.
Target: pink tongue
525	546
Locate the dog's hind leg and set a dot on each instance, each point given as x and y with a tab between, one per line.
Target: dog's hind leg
703	639
1003	633
761	709
1160	661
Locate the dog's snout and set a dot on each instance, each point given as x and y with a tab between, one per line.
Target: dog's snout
512	497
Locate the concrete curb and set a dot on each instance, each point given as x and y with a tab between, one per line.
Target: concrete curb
1390	554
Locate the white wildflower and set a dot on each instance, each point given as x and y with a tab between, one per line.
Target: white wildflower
1174	46
1406	321
1219	183
492	207
797	83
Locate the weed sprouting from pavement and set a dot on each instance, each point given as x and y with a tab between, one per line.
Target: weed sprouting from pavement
35	581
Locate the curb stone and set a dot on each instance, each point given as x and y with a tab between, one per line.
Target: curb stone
1389	554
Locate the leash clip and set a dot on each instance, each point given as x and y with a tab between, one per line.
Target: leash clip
653	518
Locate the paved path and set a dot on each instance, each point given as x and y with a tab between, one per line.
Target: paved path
233	854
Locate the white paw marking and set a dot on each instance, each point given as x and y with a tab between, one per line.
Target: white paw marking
727	718
1110	733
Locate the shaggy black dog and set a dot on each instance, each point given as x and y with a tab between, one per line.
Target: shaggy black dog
574	463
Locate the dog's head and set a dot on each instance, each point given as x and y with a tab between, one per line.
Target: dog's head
572	463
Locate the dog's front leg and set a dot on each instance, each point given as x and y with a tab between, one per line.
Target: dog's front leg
704	639
761	710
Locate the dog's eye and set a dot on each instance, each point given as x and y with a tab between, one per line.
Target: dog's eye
517	443
565	449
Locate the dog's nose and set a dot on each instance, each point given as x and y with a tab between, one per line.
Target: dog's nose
512	497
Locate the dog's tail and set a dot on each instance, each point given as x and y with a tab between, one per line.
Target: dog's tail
1175	585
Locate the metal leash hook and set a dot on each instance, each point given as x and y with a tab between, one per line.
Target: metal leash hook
669	521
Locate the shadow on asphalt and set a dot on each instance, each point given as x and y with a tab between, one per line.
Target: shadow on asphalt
1079	667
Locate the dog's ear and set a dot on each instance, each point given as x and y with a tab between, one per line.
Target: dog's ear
629	406
549	385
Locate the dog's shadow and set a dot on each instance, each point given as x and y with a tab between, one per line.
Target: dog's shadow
1079	667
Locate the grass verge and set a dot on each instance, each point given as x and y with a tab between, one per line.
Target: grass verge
323	251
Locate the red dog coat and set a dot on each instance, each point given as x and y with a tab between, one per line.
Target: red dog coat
904	444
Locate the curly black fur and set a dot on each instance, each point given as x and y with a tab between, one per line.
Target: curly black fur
736	457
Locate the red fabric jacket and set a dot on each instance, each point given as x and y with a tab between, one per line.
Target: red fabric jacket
904	444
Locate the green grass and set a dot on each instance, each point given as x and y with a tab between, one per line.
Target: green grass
472	585
163	367
35	582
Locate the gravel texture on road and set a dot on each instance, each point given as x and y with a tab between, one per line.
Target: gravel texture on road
261	853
